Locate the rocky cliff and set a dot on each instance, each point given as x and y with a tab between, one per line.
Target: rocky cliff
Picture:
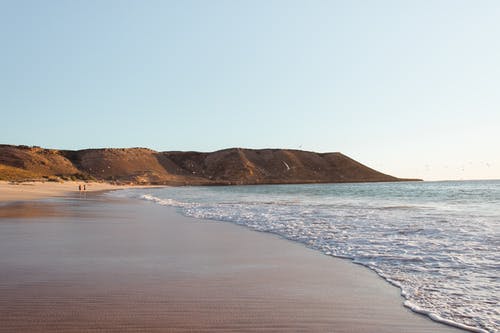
146	166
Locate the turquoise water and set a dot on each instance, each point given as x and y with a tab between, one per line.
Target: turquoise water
438	241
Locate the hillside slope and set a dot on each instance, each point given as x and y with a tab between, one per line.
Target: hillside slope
146	166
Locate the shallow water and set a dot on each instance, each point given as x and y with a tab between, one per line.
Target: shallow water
438	241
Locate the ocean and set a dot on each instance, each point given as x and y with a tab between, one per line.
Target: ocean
439	242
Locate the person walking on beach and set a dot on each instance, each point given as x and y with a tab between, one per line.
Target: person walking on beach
79	187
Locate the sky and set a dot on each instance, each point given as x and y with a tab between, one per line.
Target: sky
410	88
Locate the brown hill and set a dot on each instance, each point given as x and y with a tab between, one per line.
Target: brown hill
146	166
21	162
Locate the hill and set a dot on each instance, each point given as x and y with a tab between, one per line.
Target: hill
146	166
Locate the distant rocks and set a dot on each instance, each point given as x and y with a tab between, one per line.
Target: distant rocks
224	167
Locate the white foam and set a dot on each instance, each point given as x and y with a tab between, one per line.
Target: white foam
436	317
163	202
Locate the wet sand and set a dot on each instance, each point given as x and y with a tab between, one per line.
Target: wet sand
101	265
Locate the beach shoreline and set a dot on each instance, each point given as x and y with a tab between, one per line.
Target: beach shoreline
126	265
35	190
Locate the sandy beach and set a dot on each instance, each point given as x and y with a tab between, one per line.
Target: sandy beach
38	190
97	264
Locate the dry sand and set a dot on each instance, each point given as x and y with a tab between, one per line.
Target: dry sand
124	266
38	190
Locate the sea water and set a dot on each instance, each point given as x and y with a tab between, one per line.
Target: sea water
437	241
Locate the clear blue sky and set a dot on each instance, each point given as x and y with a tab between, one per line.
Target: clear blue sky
411	88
